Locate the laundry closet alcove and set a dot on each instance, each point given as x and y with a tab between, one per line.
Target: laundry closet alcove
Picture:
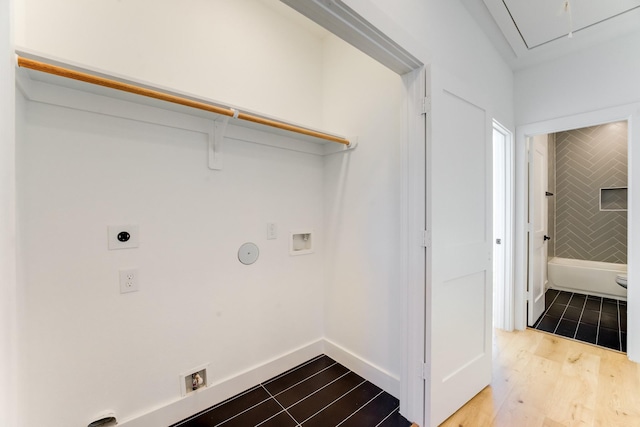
90	157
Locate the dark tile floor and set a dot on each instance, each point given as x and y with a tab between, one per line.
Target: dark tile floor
318	393
595	320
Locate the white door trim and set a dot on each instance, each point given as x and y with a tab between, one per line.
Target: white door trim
9	291
629	112
505	301
538	225
412	252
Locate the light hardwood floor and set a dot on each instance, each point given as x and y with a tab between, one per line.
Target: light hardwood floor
541	380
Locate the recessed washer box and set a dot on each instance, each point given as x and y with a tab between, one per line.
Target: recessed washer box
301	242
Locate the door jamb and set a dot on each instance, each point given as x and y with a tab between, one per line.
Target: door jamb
507	299
412	252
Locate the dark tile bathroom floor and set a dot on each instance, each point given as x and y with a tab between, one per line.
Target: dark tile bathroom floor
320	392
595	320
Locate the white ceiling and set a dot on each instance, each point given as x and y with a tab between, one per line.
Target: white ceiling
527	32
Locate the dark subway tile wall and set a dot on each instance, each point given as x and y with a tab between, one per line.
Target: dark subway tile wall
595	320
317	393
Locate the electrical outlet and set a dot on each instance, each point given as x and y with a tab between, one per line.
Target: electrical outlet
123	236
129	281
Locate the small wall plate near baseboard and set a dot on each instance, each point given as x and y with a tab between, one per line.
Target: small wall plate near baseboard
104	419
186	379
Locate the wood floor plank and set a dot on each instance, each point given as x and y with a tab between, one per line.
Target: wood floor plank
541	380
618	391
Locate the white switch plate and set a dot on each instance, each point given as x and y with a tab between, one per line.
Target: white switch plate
120	243
272	231
129	281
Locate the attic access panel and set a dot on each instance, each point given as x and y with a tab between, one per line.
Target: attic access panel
542	21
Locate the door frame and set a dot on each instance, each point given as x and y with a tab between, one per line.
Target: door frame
628	112
413	266
532	314
504	299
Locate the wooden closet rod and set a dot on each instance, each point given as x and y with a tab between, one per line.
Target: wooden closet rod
126	87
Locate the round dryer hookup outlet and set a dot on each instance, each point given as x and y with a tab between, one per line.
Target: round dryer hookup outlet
248	253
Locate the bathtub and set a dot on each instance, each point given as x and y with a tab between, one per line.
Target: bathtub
587	277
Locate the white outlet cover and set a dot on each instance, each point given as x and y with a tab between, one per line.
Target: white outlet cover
116	243
129	281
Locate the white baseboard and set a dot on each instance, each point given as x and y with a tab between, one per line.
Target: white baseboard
180	409
367	370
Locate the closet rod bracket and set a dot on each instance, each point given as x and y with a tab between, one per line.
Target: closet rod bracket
333	149
216	141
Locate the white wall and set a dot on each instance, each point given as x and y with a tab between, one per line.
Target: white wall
78	173
603	76
449	38
591	85
460	47
362	208
8	341
222	50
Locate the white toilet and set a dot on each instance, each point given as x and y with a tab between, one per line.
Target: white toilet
621	279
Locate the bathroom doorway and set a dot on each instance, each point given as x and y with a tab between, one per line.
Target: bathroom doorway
578	233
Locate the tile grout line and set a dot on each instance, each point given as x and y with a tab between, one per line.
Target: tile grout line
316	391
217	405
535	326
301	381
619	326
334	401
294	369
356	411
575	334
242	412
279	404
562	315
275	415
599	317
397	408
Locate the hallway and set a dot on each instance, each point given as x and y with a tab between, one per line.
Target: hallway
541	380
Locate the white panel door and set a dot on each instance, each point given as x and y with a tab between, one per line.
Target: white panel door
538	206
459	286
